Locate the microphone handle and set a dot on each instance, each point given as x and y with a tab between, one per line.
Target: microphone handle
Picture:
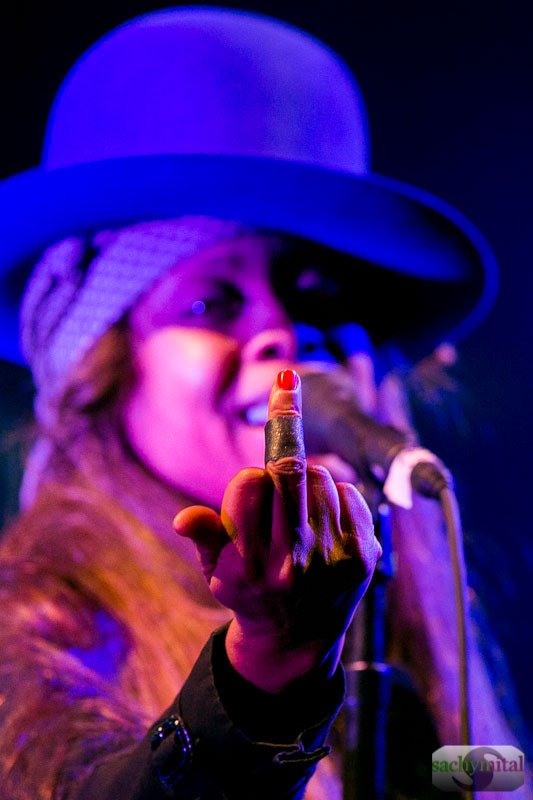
333	423
365	444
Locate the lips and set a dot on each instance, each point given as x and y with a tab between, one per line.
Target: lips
255	413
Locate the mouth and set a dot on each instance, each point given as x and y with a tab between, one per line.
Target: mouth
255	414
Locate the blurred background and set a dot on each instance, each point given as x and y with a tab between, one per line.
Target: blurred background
448	87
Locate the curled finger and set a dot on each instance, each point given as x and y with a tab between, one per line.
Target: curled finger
324	513
247	518
357	527
204	527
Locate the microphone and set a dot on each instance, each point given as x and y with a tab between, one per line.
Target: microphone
334	423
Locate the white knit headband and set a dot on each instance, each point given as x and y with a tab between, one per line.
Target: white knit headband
80	287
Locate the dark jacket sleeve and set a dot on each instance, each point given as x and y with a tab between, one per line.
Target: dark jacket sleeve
224	738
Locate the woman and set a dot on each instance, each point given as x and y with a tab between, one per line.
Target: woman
159	326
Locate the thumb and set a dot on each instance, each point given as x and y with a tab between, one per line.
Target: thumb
204	527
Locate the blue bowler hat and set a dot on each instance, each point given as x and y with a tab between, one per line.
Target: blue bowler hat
238	116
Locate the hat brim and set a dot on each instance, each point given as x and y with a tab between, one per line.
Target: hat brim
450	271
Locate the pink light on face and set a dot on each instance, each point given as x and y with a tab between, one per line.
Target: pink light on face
196	413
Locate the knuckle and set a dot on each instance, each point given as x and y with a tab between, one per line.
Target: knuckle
250	481
374	552
318	472
365	551
360	509
289	465
253	475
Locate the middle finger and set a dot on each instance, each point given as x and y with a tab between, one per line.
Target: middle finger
292	537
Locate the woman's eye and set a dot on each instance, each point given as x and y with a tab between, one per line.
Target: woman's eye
221	304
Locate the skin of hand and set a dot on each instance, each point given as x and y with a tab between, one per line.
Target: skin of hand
291	554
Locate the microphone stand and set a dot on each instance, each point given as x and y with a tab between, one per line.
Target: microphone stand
368	681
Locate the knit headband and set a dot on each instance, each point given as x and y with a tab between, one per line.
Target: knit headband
82	286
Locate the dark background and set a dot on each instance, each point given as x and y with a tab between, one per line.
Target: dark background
448	87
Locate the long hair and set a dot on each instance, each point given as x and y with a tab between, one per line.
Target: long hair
101	621
86	584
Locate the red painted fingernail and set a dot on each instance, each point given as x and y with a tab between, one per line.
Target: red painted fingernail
287	379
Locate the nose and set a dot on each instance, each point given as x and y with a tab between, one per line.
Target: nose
273	343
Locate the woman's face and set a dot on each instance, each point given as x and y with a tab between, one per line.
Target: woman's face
208	341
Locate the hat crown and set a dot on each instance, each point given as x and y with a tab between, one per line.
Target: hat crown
209	81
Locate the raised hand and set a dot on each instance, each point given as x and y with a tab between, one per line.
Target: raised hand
291	553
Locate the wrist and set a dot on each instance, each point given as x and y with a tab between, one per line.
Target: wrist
272	663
